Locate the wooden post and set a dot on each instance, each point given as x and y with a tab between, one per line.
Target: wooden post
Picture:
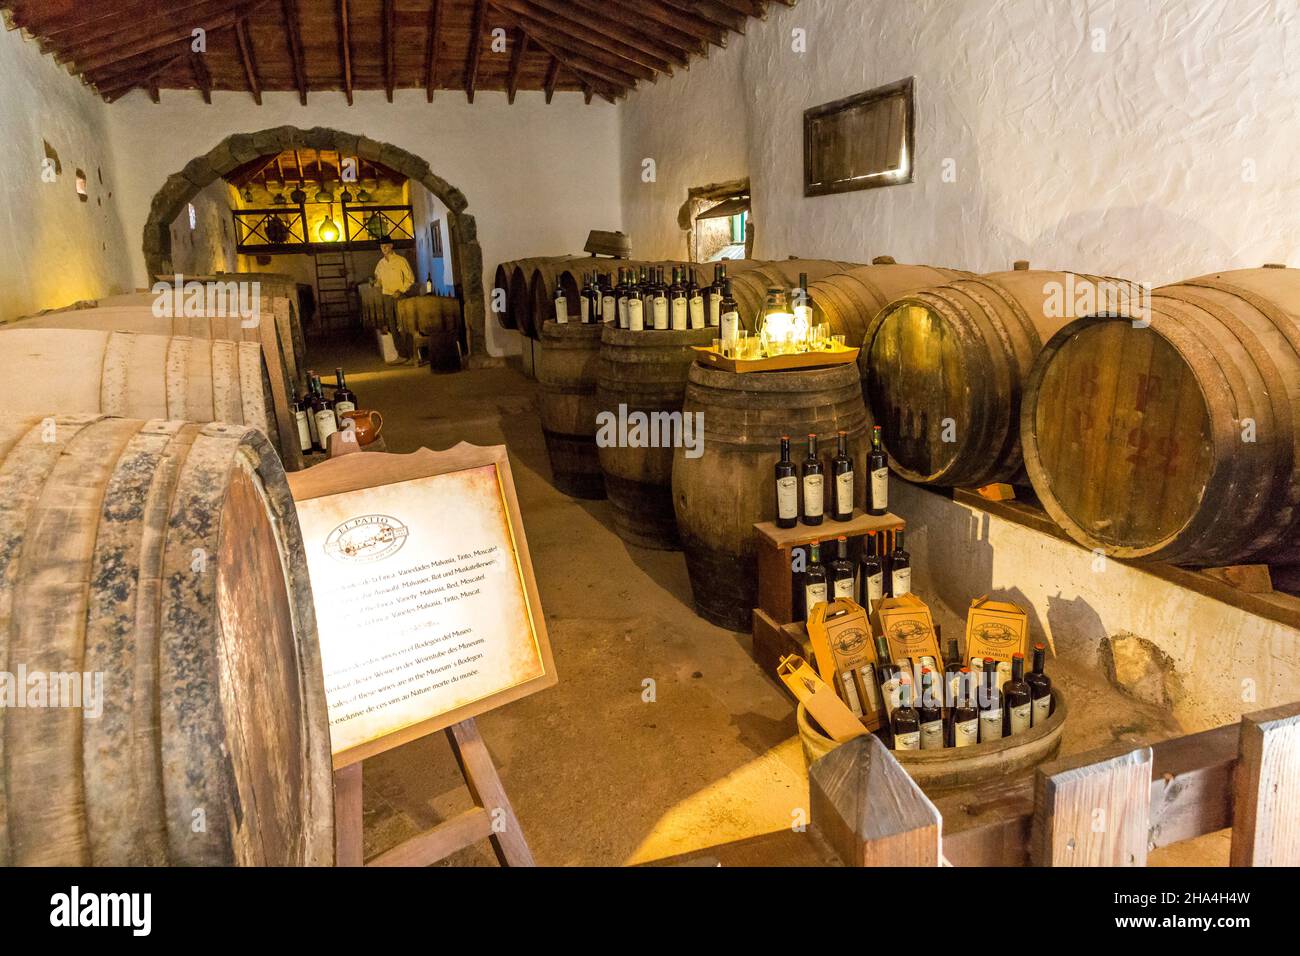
348	849
866	807
1093	809
1266	790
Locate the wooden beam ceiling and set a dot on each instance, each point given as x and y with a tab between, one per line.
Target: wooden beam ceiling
600	48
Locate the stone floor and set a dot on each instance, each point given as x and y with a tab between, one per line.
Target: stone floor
598	774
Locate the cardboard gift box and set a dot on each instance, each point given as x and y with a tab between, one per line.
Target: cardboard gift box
997	630
906	623
840	634
819	699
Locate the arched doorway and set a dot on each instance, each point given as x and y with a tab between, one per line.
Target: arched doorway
240	148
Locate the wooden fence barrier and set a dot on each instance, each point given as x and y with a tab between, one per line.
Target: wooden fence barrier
1106	807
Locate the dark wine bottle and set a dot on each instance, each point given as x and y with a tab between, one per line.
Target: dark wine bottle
963	719
889	677
345	400
561	305
841	571
659	300
589	306
905	722
952	668
620	298
716	294
813	480
678	306
842	476
608	301
990	703
302	420
1017	704
1040	688
787	488
814	580
871	574
878	470
900	568
930	712
636	303
322	414
729	320
694	301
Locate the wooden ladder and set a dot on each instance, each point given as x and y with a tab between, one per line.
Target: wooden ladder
333	297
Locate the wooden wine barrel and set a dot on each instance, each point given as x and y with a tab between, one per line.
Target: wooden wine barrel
436	320
570	357
1180	441
848	301
721	493
944	369
749	286
512	279
165	557
133	375
141	318
643	372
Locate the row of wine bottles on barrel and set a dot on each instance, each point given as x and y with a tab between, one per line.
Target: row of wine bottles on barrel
642	299
317	414
801	493
968	707
827	574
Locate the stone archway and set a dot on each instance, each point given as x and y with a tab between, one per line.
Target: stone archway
240	148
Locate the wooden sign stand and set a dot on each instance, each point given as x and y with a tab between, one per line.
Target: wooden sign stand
492	817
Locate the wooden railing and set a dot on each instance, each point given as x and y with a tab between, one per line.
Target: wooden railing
290	228
370	223
277	226
1106	807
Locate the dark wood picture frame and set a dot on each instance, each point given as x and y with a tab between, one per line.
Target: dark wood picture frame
903	89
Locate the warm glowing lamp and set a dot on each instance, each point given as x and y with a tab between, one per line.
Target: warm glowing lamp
328	230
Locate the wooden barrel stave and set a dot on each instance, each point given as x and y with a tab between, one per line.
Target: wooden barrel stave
118	542
645	372
749	286
848	301
567	372
721	494
1159	465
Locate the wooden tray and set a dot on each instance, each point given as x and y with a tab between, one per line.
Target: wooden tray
777	363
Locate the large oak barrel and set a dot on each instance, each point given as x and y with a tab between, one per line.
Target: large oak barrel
721	493
1180	441
230	326
165	557
435	319
848	301
944	369
749	286
570	356
511	288
643	372
133	375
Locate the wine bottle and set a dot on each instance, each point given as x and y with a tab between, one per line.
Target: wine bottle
695	300
871	574
679	308
717	293
1040	688
636	305
952	668
1017	704
787	488
842	476
963	720
841	571
905	722
900	568
561	305
608	301
849	693
729	320
930	712
306	401
322	413
621	298
878	469
344	398
584	300
888	676
811	473
990	703
659	300
814	580
304	429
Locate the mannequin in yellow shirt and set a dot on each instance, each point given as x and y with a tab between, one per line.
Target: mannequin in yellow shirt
393	275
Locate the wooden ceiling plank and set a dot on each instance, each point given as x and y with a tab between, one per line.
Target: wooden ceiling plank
118	86
202	75
516	58
172	34
248	61
78	30
552	74
711	11
608	89
658	38
431	51
616	69
389	40
345	47
293	37
626	44
686	24
475	48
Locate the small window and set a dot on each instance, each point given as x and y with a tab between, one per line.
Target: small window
194	217
860	142
435	238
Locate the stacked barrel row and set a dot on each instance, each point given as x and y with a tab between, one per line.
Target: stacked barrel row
148	540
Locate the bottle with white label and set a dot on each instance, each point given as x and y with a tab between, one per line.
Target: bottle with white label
841	571
814	580
1040	687
930	712
900	568
871	574
1017	703
812	478
963	720
659	300
561	305
694	301
889	677
608	301
305	402
729	328
304	429
952	668
850	695
842	480
678	305
345	400
716	293
905	722
990	703
787	488
585	298
322	414
636	308
624	284
878	470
